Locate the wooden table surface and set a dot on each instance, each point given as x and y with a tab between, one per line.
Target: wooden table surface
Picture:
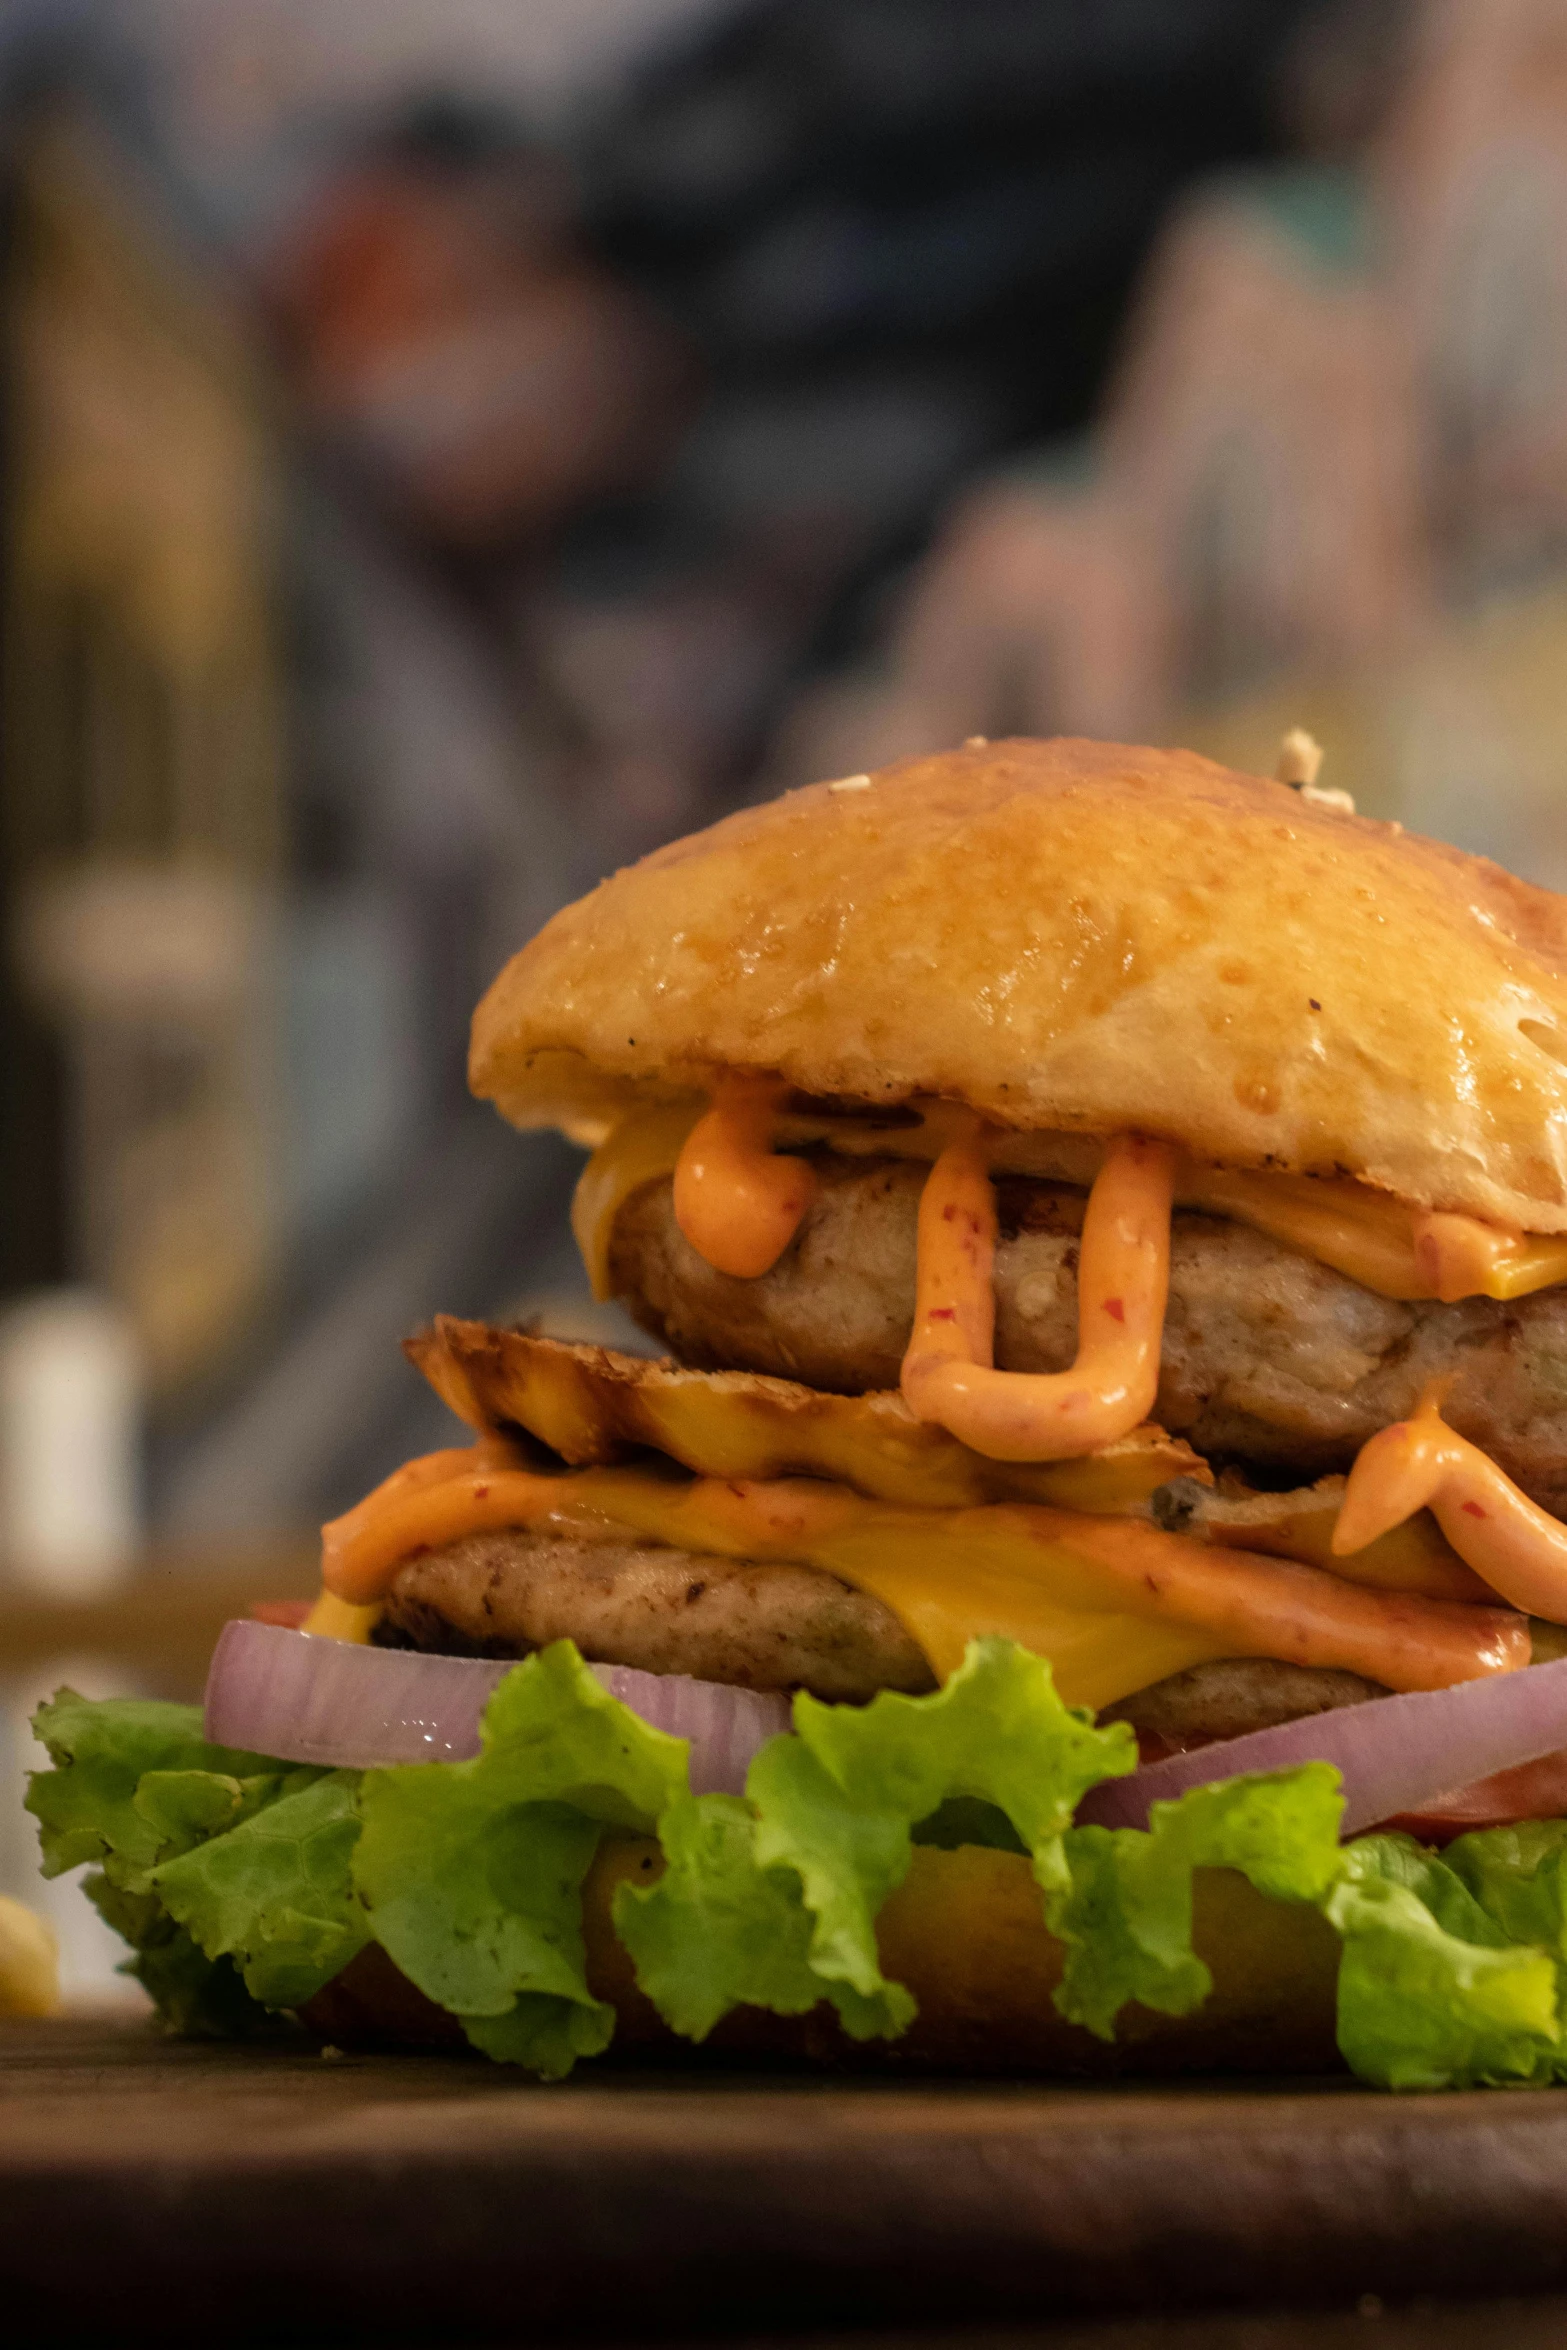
386	2192
161	1625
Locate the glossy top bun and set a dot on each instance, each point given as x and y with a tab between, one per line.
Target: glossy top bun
1075	936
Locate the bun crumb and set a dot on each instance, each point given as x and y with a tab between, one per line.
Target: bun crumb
1299	765
1300	759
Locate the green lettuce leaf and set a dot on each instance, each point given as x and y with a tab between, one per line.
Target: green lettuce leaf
1123	1906
773	1903
1433	1990
838	1802
207	1855
472	1872
271	1889
845	1852
199	1997
1518	1877
186	1808
717	1930
87	1806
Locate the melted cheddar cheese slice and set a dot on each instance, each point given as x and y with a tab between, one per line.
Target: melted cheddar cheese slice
338	1619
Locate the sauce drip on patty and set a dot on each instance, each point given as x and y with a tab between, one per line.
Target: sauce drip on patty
1421	1463
737	1202
949	1373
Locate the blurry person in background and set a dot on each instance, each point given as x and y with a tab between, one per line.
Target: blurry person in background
446	328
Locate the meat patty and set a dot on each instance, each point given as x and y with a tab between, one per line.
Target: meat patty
769	1627
667	1611
1269	1357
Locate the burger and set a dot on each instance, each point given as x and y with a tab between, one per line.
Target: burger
1083	1585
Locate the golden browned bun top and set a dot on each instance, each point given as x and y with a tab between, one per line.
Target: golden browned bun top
1081	937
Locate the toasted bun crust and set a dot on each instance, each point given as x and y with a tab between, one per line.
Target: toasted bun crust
966	1933
1075	936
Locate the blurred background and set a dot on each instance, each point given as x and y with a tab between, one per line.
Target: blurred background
451	446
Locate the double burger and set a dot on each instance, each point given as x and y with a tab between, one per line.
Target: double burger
1105	1220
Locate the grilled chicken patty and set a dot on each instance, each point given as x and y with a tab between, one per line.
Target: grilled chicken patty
665	1610
1269	1357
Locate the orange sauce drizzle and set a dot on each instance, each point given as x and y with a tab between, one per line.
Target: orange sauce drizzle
1123	1279
360	1566
1421	1463
404	1496
737	1202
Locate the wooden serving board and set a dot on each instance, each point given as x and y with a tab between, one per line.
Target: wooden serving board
403	2192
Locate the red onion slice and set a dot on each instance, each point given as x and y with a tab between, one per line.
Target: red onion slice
335	1702
725	1725
1396	1754
311	1700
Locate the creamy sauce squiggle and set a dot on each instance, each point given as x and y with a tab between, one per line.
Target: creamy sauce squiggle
1123	1280
1421	1463
737	1202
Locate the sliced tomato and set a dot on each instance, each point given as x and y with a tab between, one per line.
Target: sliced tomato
1534	1791
1154	1747
290	1613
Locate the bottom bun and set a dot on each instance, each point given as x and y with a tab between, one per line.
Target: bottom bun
965	1932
